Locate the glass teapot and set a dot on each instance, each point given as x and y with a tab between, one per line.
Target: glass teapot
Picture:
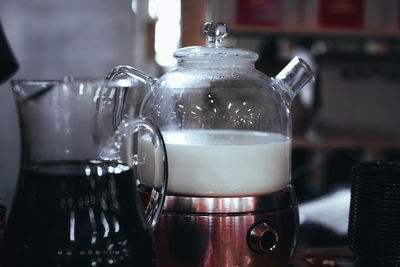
226	125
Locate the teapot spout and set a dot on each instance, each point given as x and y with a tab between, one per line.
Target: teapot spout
294	76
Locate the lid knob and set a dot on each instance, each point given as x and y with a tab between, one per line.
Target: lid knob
215	32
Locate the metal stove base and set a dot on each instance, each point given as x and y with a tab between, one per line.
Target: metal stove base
258	238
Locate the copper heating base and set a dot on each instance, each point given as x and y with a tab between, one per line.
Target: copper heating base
234	231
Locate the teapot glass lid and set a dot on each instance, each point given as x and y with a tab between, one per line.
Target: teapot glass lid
215	51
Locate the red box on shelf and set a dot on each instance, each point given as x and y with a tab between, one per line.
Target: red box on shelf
341	13
259	12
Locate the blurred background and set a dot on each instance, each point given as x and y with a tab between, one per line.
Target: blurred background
349	114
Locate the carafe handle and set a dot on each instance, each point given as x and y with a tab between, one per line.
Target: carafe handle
112	151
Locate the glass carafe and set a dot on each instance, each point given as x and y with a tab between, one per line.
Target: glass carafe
76	203
227	126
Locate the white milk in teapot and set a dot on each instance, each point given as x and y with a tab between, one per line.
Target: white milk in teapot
223	162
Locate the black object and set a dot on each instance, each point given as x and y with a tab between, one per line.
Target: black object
8	63
374	221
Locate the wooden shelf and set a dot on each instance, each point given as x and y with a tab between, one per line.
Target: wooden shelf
373	143
309	31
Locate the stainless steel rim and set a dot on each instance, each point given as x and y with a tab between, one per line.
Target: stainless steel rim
283	199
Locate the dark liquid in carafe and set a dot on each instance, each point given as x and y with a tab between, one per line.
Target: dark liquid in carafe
77	214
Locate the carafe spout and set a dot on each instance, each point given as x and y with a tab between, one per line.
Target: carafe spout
294	76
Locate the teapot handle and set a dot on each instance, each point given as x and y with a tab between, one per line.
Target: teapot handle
122	71
156	201
113	151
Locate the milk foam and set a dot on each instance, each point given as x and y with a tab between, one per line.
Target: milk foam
225	162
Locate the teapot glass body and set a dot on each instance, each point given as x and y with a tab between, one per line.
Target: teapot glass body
227	130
